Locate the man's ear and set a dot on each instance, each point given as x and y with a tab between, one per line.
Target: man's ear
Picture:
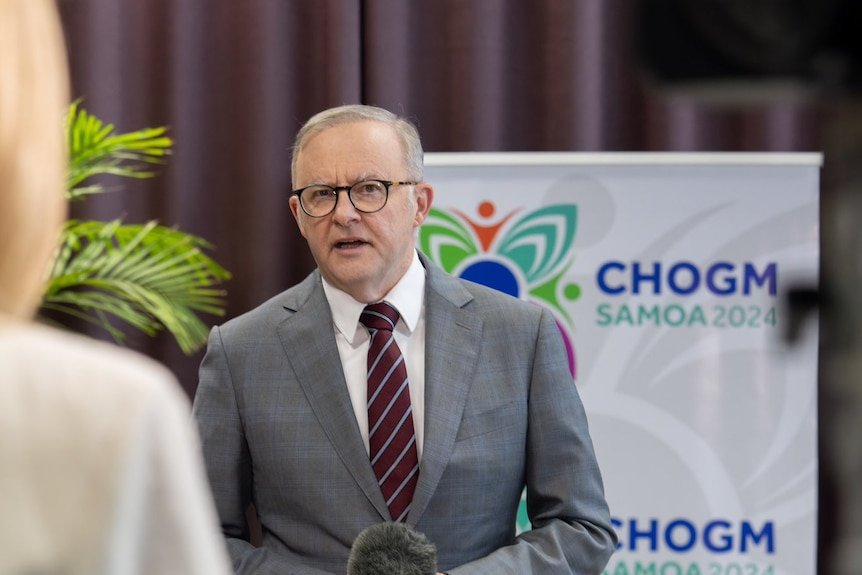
295	208
424	198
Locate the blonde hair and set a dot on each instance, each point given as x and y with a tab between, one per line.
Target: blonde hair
33	98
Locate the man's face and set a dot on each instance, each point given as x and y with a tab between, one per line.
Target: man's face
362	254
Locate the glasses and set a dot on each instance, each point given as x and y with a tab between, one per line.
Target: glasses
367	196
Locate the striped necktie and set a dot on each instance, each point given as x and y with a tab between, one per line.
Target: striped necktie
391	437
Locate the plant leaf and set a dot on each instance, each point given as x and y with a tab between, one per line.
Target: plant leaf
94	149
148	276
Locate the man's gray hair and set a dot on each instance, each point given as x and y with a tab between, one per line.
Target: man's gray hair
405	129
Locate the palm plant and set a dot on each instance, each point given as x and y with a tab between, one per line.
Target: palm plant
147	276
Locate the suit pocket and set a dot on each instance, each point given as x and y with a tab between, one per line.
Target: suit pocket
484	422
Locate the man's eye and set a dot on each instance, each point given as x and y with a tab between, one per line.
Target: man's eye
368	188
317	194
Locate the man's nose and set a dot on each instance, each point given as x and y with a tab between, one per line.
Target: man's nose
344	210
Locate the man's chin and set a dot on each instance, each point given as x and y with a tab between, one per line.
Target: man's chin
347	280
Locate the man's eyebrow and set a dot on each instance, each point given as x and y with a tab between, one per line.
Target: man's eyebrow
364	177
368	176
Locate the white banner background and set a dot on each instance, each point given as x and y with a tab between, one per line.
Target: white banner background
704	420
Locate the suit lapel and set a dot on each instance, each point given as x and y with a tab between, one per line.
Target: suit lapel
309	342
453	336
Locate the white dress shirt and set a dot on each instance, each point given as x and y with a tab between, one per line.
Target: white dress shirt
352	338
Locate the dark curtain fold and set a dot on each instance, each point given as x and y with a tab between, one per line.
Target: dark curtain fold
487	75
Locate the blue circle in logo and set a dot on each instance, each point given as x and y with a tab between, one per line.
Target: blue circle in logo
494	275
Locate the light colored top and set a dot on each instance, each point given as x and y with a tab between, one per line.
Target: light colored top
100	467
353	340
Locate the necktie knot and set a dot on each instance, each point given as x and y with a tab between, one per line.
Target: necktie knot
379	316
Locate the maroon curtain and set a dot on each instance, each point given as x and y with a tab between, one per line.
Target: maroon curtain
235	80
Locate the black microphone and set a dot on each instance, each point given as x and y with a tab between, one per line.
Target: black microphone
392	549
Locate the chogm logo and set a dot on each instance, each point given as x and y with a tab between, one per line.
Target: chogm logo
525	255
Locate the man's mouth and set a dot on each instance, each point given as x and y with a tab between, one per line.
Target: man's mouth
348	244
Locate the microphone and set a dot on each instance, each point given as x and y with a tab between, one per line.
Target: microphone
392	549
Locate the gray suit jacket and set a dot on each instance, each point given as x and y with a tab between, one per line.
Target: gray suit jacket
502	413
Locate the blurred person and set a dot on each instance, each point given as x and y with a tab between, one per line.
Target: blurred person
100	469
475	403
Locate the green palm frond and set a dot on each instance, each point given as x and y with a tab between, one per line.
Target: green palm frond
148	276
94	149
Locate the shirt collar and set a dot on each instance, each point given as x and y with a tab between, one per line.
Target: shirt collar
403	296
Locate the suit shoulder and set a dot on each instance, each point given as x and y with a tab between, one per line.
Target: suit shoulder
488	302
485	293
498	304
267	315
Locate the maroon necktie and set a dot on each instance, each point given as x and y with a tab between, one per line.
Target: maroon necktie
391	438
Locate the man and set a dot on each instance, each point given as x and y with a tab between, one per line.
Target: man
288	401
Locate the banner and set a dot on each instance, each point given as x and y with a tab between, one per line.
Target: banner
665	273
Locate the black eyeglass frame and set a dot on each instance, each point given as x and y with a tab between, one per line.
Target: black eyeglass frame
386	185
